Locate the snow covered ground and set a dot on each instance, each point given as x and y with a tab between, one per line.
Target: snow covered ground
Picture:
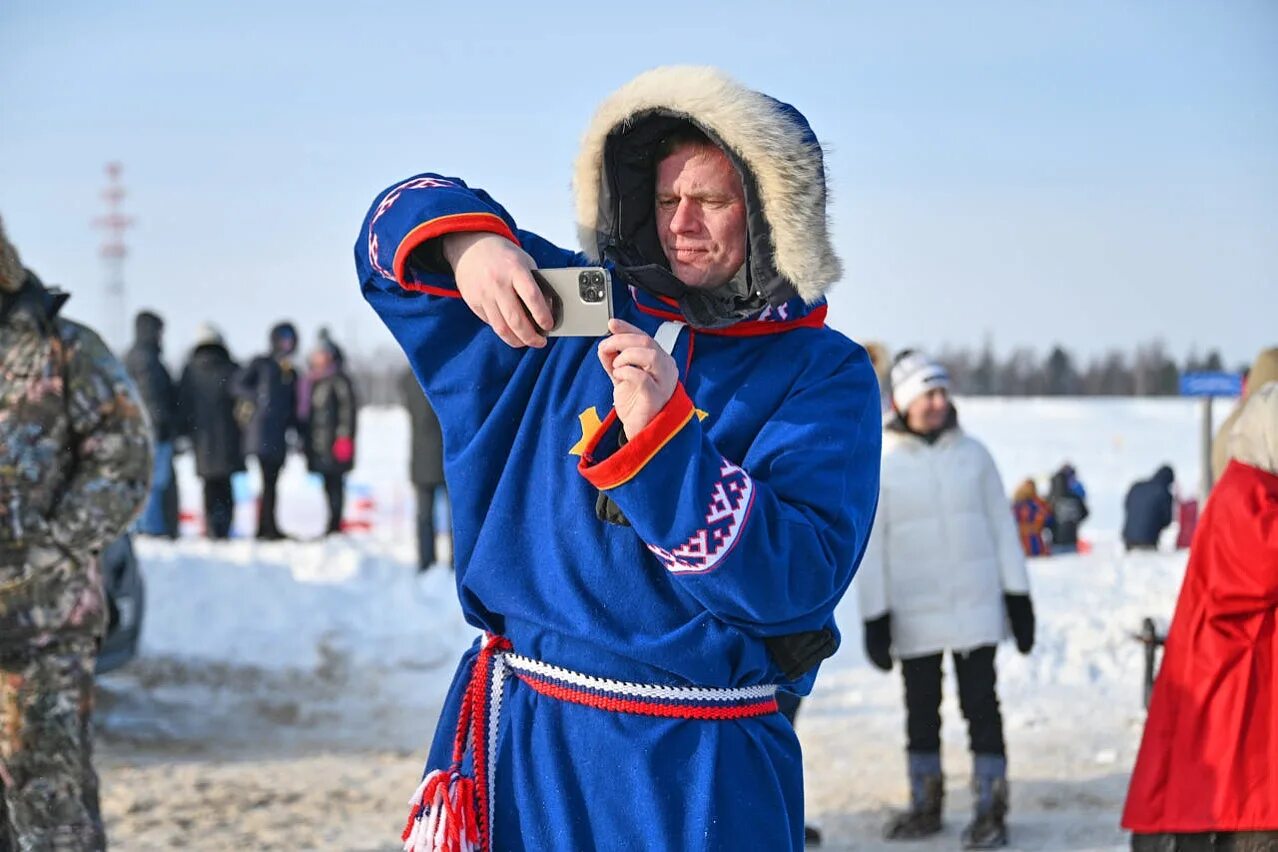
285	691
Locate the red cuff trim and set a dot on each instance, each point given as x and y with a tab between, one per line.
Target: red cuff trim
438	227
623	465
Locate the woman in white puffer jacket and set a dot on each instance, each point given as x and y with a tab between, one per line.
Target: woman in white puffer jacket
943	571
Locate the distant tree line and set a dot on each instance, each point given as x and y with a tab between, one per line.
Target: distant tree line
1148	371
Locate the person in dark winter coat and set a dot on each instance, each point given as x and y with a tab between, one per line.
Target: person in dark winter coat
267	390
1149	510
145	365
206	408
943	572
330	433
324	340
1068	500
426	465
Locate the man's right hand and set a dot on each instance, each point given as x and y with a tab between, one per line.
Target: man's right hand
493	277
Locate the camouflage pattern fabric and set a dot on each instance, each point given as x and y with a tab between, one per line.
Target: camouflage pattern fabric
50	799
75	466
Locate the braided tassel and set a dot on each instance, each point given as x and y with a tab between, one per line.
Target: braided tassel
443	815
449	810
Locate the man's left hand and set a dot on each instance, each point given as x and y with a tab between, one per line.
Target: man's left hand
643	375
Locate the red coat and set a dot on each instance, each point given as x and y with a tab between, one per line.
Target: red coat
1209	758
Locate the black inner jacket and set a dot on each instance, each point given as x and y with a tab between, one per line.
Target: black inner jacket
632	242
42	302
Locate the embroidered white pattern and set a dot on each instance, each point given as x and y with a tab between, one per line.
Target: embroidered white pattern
730	503
781	313
386	204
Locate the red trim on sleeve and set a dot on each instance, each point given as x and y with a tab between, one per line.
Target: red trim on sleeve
438	227
623	465
419	287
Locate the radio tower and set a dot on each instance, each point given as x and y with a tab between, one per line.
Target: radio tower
113	251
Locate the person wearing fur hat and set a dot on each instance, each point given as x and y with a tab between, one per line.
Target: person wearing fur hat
944	572
1206	776
75	468
1263	371
652	530
206	416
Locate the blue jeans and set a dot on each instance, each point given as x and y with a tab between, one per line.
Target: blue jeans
152	521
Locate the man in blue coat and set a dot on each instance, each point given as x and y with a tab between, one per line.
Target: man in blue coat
647	578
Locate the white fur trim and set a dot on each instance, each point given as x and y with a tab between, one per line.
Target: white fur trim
786	167
1254	440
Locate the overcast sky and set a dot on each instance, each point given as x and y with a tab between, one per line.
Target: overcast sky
1093	173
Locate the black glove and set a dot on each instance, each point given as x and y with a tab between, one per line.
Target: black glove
797	654
1020	611
878	641
605	509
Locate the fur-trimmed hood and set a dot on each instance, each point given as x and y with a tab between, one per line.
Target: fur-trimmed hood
770	143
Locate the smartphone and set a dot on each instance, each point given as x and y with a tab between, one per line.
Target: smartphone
580	300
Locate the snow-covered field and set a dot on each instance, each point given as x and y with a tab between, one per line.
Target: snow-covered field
285	691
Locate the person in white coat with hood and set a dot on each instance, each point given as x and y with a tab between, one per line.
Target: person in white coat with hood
943	571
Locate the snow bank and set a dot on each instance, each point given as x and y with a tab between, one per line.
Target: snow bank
298	605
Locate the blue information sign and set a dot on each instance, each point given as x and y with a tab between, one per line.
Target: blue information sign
1210	384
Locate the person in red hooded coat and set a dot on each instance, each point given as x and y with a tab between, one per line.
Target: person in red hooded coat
1207	773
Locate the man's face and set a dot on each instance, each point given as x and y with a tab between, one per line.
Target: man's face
701	215
927	413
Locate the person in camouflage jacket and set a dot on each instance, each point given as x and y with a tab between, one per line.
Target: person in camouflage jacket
75	466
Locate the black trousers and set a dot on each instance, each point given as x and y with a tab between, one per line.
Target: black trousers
266	525
427	554
219	507
335	490
978	700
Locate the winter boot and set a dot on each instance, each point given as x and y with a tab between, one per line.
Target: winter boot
927	795
988	829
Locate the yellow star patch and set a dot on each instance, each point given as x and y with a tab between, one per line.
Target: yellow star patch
590	424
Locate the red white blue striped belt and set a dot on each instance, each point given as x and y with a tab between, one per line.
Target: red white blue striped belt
452	812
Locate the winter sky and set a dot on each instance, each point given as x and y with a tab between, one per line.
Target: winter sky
1093	173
